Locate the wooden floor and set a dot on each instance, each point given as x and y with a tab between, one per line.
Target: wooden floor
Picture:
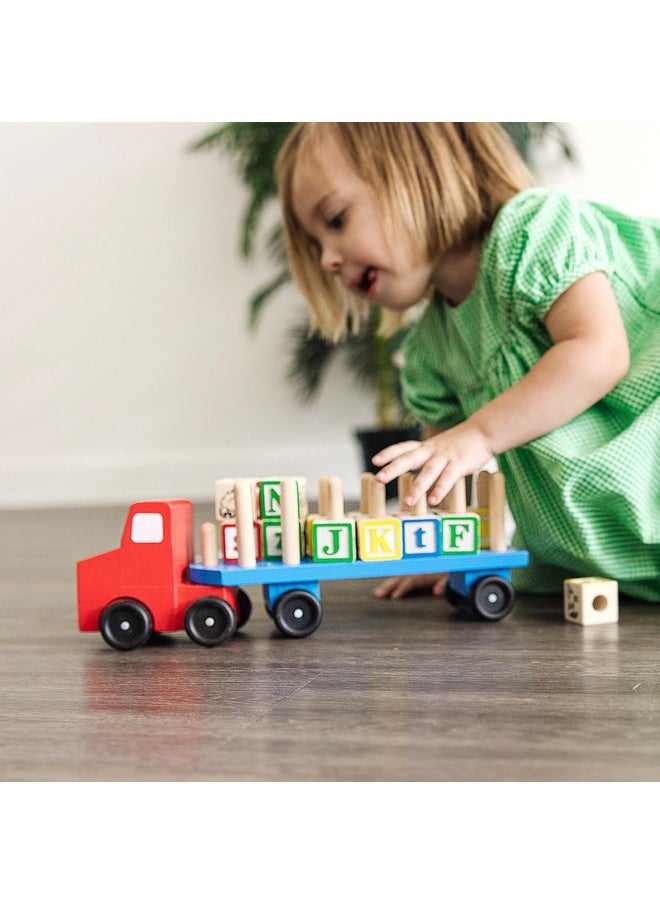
384	691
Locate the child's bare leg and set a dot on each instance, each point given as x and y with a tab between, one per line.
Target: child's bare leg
398	587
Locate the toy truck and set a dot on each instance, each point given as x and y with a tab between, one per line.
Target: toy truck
152	583
144	587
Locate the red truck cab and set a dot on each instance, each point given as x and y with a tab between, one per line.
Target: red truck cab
142	587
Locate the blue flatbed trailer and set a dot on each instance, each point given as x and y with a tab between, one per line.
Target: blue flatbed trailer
478	584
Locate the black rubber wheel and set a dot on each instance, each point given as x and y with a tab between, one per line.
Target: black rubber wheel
210	621
492	598
244	608
126	624
298	613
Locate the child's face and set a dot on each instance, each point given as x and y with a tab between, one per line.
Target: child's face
341	214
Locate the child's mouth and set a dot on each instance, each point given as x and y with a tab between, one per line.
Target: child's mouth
367	282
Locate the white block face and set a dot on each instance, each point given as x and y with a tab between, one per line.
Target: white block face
591	601
333	542
380	540
421	537
272	540
460	534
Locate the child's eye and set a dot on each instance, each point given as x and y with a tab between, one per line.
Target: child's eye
337	221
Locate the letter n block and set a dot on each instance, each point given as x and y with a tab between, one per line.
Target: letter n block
270	498
332	541
460	534
591	601
421	536
379	539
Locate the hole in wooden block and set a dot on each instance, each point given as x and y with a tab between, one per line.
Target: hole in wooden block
600	603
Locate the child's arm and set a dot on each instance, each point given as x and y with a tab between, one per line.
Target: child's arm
589	356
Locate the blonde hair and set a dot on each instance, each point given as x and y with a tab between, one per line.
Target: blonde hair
442	182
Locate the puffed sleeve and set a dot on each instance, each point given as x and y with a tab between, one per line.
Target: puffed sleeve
424	387
542	243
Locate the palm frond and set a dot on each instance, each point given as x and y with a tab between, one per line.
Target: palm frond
309	357
261	296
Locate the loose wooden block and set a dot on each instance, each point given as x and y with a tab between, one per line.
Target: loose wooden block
460	534
332	541
379	539
421	536
591	601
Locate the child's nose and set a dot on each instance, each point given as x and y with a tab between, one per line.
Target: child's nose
331	259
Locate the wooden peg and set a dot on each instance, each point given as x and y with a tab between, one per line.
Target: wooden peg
366	479
455	501
405	484
335	493
324	496
482	490
290	522
377	500
209	543
496	505
403	488
247	546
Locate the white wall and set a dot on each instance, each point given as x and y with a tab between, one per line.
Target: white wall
127	368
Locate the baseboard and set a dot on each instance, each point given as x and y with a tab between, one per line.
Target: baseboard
79	480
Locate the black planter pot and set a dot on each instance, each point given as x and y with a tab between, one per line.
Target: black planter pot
372	441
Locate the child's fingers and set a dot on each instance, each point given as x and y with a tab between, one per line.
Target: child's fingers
398	587
385	456
408	460
438	488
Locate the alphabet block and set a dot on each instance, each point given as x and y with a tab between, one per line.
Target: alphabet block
270	497
460	534
225	497
379	539
332	541
271	538
229	541
421	536
591	601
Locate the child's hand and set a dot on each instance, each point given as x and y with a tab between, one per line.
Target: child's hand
396	588
441	461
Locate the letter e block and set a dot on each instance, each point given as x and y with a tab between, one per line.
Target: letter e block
421	536
379	539
333	541
229	535
460	534
591	601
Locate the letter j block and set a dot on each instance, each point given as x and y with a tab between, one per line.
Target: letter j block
333	541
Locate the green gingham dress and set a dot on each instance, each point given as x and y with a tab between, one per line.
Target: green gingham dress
586	496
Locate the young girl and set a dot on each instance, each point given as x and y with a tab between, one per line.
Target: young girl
539	343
